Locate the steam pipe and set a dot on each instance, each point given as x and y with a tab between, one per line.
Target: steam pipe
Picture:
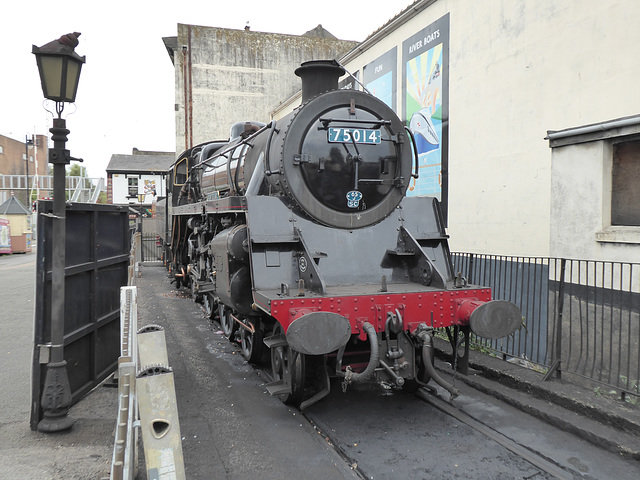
373	359
426	359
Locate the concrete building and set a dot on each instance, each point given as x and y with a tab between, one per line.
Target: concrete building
141	173
595	191
225	76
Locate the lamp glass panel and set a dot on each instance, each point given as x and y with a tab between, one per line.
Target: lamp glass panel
73	71
51	75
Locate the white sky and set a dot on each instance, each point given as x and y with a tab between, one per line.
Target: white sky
126	92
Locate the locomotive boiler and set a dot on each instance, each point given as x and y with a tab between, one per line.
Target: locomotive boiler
297	236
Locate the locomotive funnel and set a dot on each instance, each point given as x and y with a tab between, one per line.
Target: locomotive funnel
319	76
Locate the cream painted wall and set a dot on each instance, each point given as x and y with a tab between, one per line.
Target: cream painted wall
520	68
517	69
581	194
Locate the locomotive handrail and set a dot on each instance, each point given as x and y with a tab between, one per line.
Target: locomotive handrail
326	121
364	88
267	168
235	183
415	152
235	145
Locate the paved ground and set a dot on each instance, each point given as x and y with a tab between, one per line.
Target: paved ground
220	414
230	429
81	453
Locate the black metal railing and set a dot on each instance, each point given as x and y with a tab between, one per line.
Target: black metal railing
580	317
151	248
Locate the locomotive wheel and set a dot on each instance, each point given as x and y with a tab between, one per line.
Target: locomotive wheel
288	365
227	323
208	300
209	305
195	295
251	343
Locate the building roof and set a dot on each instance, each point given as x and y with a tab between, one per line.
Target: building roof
13	206
319	32
141	161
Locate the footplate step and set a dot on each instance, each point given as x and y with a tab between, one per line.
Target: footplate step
278	388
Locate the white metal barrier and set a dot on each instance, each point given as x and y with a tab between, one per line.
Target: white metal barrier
146	400
125	453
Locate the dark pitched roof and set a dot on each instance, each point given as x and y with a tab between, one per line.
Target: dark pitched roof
319	32
141	161
13	206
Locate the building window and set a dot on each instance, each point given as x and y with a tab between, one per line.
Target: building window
133	187
1	149
24	156
31	158
625	178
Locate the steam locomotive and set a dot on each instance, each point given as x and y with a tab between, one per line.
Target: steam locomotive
297	237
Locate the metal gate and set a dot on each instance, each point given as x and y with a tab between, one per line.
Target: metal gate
97	257
151	247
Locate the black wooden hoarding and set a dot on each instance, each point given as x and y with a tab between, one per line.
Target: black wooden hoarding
97	258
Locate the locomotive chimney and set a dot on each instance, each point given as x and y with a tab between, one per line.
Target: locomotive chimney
319	76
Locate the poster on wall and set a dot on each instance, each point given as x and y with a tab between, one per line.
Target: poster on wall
425	68
379	77
150	187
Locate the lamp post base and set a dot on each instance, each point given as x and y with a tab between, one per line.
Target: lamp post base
56	399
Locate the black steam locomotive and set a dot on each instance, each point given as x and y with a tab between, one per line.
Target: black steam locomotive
298	237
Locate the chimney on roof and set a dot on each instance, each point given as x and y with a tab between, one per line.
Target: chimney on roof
247	27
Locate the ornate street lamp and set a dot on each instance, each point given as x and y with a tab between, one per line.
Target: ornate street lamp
59	68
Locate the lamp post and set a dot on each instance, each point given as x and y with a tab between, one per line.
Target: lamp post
141	197
27	143
59	68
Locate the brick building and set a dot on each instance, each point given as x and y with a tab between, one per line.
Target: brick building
15	157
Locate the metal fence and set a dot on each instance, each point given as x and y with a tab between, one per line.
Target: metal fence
79	189
151	248
580	317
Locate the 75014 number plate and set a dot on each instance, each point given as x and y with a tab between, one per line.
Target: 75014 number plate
359	135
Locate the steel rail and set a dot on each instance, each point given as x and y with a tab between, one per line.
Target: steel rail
537	460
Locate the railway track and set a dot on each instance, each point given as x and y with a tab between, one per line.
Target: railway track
365	454
540	468
540	462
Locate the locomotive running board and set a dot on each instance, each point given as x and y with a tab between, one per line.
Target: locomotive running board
278	388
276	341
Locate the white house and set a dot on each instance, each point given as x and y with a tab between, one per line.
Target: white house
141	173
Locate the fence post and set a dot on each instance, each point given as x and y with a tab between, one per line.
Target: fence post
556	365
141	236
